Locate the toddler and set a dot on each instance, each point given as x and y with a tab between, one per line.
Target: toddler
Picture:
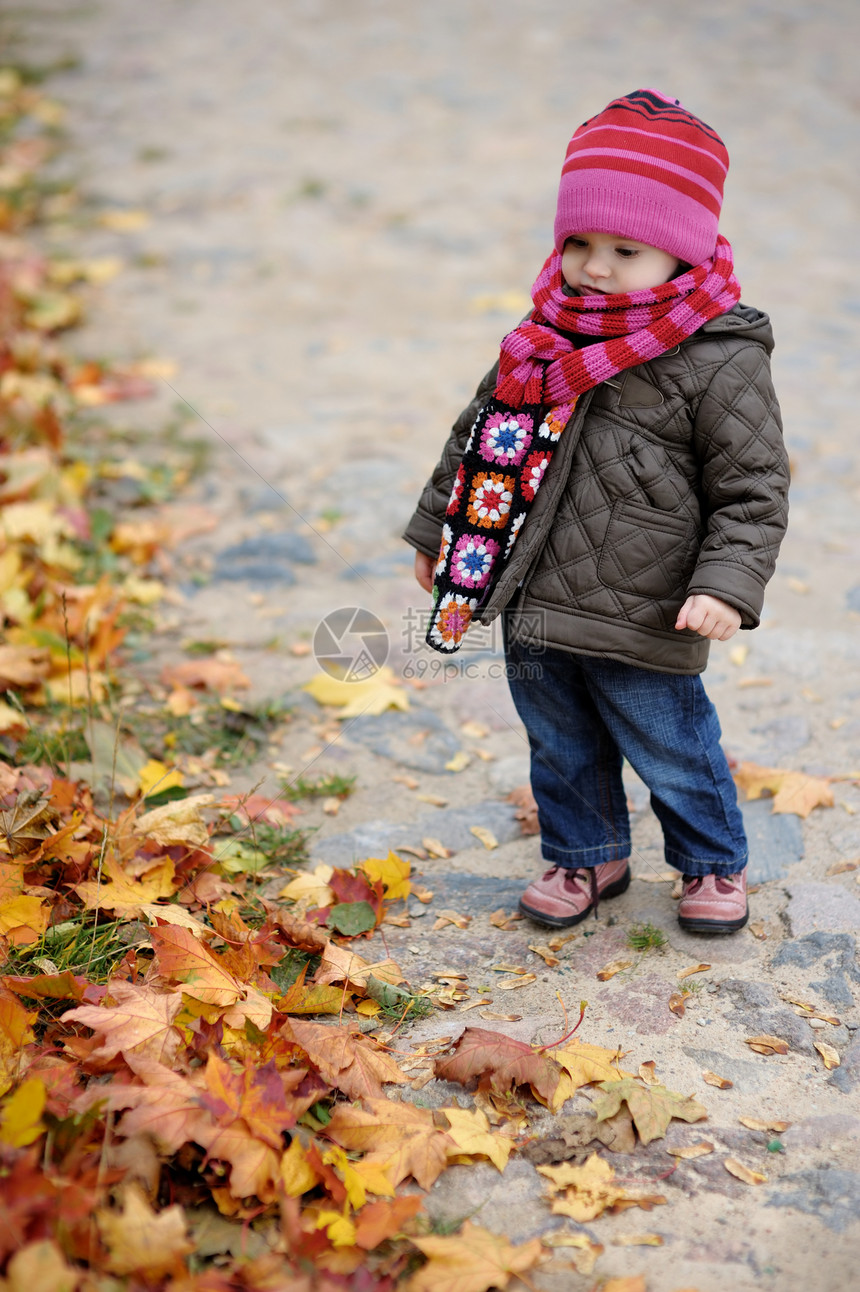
618	488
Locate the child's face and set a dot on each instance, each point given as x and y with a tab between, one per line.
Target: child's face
599	263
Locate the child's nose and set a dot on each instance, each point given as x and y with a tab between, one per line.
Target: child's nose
596	266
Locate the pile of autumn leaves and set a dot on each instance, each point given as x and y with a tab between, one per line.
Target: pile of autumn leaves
190	1090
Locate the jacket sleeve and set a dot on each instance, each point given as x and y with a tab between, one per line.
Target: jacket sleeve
745	477
424	530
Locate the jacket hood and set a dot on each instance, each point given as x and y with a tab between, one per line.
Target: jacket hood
743	321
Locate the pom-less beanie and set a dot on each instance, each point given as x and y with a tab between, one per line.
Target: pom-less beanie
645	168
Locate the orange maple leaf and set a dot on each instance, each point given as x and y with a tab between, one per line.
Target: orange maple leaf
399	1135
139	1022
353	1063
185	959
500	1062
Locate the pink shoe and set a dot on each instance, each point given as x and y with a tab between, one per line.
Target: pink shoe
714	903
562	896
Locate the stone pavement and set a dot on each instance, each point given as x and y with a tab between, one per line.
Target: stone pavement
347	205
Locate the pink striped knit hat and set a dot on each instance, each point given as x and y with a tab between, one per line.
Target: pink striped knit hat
644	168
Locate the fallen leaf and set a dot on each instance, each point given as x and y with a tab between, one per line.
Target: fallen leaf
459	762
142	1241
435	800
767	1044
711	1079
764	1124
810	1010
692	1150
472	1261
500	1062
487	838
127	895
493	1017
507	968
758	929
23	666
635	1283
584	1064
514	983
500	920
652	1107
402	1135
741	1172
184	959
747	682
658	877
140	1022
470	1131
177	823
216	674
355	1064
353	698
840	867
589	1190
637	1240
32	820
610	970
452	917
646	1073
678	1002
586	1251
21	1115
548	956
424	895
436	848
829	1054
384	1219
794	792
688	973
41	1267
527	810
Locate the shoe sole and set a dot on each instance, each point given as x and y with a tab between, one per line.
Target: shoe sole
694	925
567	921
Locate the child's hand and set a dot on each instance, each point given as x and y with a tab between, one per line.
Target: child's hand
424	567
709	617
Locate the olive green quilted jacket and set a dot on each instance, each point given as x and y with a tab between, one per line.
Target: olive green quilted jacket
670	479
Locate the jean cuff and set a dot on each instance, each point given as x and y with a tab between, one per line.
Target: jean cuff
695	869
585	858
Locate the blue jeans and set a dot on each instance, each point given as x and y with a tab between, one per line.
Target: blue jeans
583	716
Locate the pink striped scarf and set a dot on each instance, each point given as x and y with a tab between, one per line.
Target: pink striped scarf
542	373
539	366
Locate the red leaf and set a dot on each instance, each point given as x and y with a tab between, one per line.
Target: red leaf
500	1062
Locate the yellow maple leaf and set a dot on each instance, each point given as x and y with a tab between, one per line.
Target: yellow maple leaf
41	1267
794	792
154	778
393	872
297	1174
469	1128
125	894
311	888
588	1190
472	1261
23	919
21	1117
371	696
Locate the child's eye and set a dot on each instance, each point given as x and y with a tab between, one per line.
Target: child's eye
627	252
578	242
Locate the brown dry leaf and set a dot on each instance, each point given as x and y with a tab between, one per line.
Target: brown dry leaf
692	1150
476	1004
527	812
435	800
452	917
589	1190
513	983
443	975
500	920
646	1072
500	1018
688	973
658	877
474	730
678	1003
32	820
353	1063
610	970
747	682
23	666
635	1283
758	929
409	781
828	1054
767	1044
637	1240
500	1062
810	1010
764	1124
546	954
140	1021
469	1128
436	848
839	867
218	674
487	838
472	1261
585	1252
507	968
142	1241
741	1172
423	895
711	1079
